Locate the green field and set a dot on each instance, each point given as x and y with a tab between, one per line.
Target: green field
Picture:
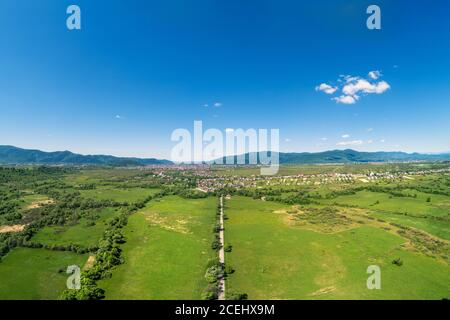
98	175
167	249
432	217
385	202
284	170
33	274
33	199
275	260
436	227
118	194
311	236
86	232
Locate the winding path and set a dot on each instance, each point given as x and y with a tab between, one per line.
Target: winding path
221	252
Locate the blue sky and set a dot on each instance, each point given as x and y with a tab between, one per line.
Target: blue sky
140	69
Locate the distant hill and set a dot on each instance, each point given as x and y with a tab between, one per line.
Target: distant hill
13	155
10	155
352	156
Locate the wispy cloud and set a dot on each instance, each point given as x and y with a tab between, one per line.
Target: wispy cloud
350	143
324	139
349	78
345	136
215	104
346	99
369	129
374	74
118	116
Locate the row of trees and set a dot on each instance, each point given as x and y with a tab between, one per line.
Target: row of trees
108	255
214	269
31	174
58	247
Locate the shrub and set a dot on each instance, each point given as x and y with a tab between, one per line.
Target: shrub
397	262
229	269
237	296
215	245
214	273
210	293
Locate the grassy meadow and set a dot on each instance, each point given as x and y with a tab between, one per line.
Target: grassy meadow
151	236
66	215
36	274
118	194
432	216
86	232
167	250
275	259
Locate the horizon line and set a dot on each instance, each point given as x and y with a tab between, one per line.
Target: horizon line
280	152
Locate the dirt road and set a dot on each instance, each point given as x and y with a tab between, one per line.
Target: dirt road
221	252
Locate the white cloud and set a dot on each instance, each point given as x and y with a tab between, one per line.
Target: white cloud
287	140
346	99
352	87
118	116
382	140
345	136
324	139
369	141
205	105
370	130
350	143
217	104
365	86
326	88
374	74
349	78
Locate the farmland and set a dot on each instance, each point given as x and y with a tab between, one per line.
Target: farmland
36	274
86	232
174	233
310	232
314	262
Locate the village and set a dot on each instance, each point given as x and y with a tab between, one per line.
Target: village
211	184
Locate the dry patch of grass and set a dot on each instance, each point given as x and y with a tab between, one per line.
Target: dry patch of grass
426	243
418	240
323	291
324	220
89	263
39	204
177	225
14	228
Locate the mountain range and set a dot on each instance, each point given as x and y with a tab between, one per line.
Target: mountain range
350	156
10	155
17	156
